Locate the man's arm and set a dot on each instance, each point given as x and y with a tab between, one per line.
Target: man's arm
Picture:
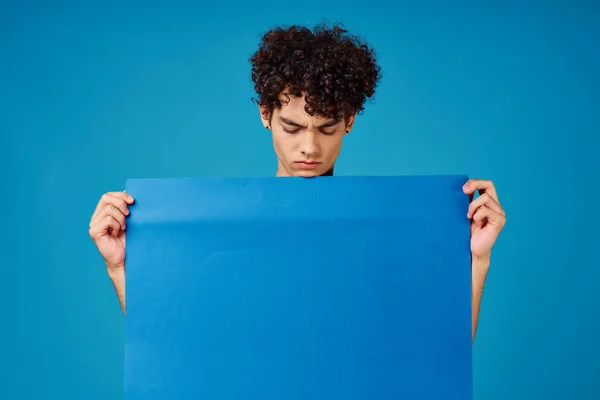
487	220
117	276
479	272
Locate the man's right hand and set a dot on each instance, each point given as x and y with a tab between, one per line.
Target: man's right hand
107	229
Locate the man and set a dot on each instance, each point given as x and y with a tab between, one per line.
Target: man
310	87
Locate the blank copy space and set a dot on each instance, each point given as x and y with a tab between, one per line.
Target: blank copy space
290	288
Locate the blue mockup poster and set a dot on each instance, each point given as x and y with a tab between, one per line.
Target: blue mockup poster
292	288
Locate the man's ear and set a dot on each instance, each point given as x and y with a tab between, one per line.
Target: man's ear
265	116
350	122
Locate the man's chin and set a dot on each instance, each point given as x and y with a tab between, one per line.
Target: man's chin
304	173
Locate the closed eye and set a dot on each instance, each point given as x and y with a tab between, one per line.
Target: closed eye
292	131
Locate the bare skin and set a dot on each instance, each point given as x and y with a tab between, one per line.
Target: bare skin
306	146
107	230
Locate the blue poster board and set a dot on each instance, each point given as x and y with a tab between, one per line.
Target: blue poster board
292	288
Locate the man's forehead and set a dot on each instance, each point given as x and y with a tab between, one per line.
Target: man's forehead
299	115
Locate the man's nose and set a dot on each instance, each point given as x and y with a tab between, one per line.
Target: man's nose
309	144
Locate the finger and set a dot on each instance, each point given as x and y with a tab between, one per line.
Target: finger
102	228
480	216
486	215
107	197
101	204
484	186
112	200
113	211
124	195
496	219
487	200
108	209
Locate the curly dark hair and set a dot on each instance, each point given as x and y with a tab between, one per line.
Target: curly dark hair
337	71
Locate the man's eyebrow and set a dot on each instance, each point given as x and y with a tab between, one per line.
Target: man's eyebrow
324	125
329	123
290	122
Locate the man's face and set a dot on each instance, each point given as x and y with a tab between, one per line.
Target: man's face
305	145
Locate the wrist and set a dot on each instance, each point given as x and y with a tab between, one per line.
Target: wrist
481	260
115	271
479	269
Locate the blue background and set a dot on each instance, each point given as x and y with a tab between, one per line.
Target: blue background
91	94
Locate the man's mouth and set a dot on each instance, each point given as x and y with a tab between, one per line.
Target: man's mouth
307	164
